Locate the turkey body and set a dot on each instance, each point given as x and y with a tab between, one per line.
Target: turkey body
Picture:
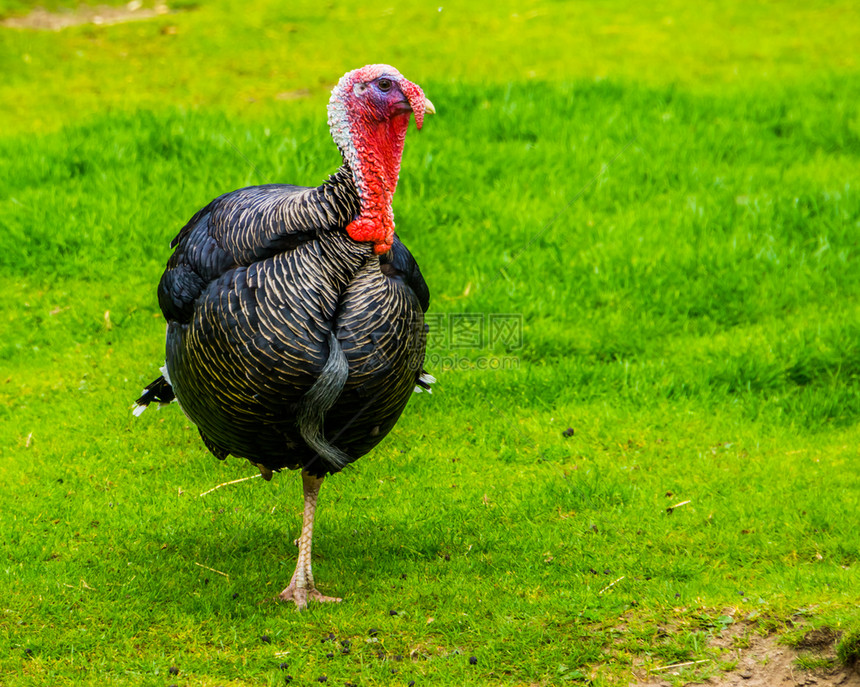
295	316
256	308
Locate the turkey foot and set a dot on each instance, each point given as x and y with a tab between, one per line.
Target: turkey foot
301	588
301	596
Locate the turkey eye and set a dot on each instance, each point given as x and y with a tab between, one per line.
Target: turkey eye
384	85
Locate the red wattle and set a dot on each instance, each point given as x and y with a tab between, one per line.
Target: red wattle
380	248
373	230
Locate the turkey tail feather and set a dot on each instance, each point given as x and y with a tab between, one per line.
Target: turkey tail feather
158	391
425	379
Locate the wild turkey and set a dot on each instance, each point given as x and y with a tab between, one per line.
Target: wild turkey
295	316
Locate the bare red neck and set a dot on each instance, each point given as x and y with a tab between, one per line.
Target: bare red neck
378	148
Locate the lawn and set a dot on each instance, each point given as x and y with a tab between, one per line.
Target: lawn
641	231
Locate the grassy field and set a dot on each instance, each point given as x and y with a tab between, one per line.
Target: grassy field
640	228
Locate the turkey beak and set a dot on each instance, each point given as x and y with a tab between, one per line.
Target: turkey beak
429	108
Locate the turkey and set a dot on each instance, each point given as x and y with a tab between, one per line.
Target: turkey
295	316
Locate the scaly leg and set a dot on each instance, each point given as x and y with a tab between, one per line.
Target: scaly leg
301	587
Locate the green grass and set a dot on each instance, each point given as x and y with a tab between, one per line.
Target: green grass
811	662
678	237
848	649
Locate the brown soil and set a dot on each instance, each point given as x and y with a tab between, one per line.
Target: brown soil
42	20
765	662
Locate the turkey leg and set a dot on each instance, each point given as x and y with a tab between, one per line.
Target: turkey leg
301	587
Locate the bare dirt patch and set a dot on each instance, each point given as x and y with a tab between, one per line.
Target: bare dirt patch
43	20
762	661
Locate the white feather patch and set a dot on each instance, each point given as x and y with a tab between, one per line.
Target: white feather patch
425	378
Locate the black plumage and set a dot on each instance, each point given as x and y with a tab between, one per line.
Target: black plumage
258	281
